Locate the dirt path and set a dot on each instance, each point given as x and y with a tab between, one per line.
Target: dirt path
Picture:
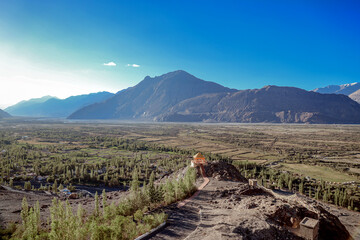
181	223
206	181
185	218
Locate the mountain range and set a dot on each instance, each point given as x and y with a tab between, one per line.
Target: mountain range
268	104
345	89
351	89
180	97
53	107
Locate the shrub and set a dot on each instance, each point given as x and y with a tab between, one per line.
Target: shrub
27	186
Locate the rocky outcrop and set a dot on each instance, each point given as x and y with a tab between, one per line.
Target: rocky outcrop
330	226
224	171
263	231
267	214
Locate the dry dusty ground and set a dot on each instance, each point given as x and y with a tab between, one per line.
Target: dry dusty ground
219	212
10	204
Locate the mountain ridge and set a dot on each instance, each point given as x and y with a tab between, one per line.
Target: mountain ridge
149	97
348	89
268	104
345	89
179	96
4	114
54	107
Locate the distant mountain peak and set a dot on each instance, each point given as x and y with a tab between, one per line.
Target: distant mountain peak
347	84
177	73
48	106
38	100
345	89
267	87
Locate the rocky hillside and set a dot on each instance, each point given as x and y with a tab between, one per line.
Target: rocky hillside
4	114
269	104
53	107
149	98
355	96
228	208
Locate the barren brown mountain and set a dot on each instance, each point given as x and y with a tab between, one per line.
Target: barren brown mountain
180	97
268	104
149	98
355	96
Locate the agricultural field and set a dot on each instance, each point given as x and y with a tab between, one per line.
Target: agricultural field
107	153
333	146
319	172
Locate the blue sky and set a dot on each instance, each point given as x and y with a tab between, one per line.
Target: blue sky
59	47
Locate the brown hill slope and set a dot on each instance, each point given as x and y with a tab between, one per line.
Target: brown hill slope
149	98
269	104
355	96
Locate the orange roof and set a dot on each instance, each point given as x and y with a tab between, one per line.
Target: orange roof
198	156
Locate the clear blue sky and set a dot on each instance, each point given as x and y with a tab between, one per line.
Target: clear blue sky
60	47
